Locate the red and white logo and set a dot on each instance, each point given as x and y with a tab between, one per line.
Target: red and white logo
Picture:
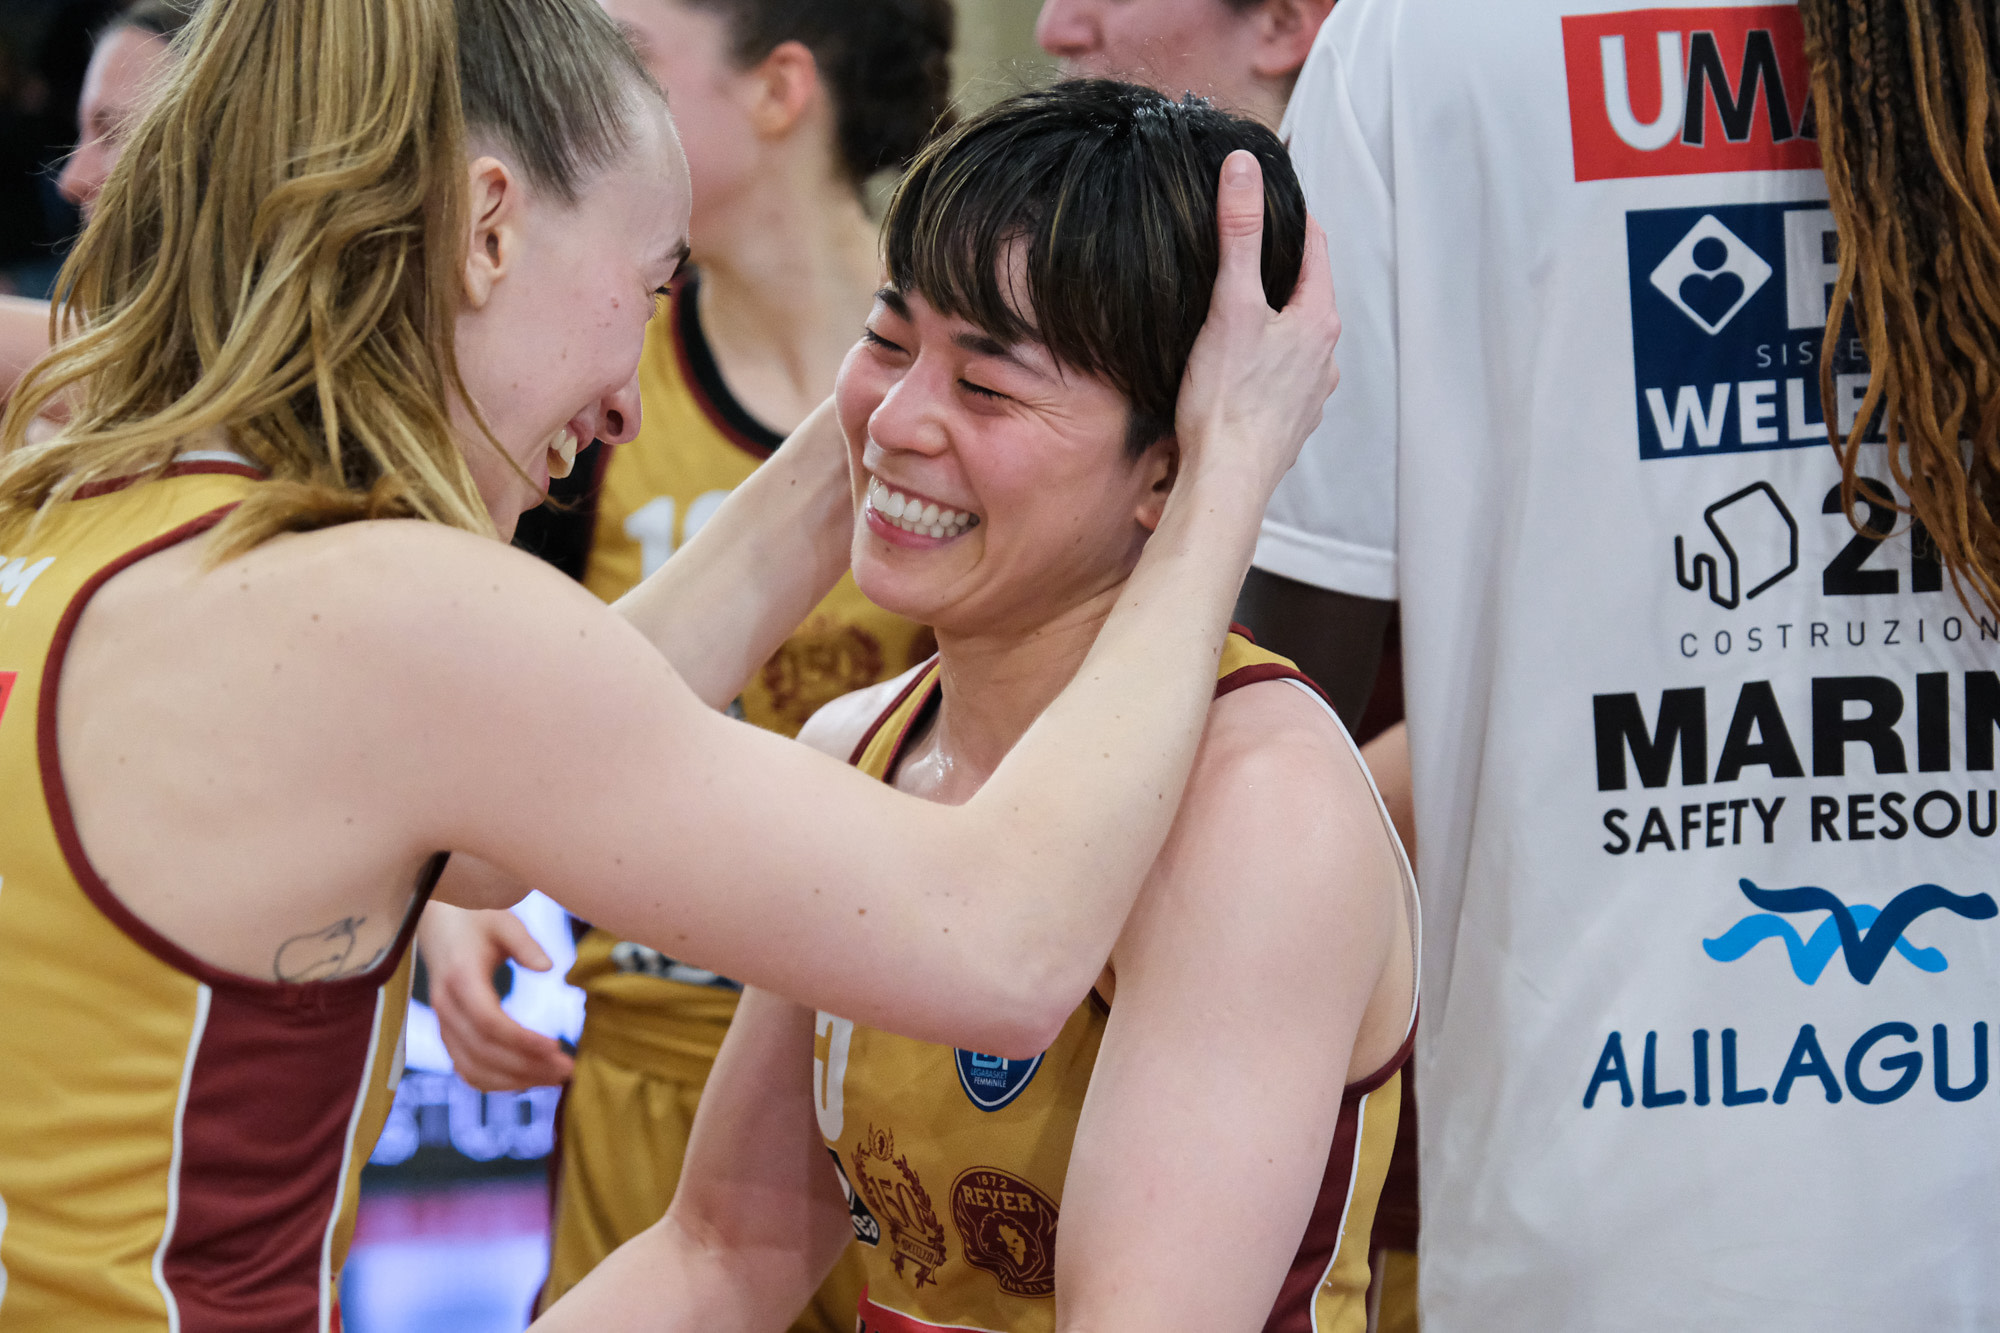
7	679
1677	92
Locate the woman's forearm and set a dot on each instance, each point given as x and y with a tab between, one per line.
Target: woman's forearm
726	600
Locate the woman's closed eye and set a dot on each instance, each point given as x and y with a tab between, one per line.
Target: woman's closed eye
874	339
981	391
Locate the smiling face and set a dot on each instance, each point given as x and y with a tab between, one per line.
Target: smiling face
124	68
556	304
994	493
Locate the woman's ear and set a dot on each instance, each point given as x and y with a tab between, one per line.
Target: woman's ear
1160	466
1285	32
786	83
493	206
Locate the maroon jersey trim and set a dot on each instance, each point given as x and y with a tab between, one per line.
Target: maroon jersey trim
917	682
309	995
704	378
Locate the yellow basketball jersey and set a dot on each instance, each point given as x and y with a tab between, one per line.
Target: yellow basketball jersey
180	1147
695	445
953	1161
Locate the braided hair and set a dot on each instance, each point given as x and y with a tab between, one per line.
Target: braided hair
1907	99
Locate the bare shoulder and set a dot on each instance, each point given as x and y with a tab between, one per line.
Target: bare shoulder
839	726
1274	735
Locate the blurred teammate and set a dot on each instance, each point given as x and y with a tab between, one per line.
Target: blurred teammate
356	286
785	111
129	57
1242	54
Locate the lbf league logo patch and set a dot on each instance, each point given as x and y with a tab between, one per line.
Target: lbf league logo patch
1673	92
1729	308
1008	1228
1862	934
899	1200
992	1081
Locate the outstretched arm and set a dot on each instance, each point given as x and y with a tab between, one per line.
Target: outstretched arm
721	606
1252	966
758	1220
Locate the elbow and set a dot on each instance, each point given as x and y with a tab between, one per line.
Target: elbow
1028	1004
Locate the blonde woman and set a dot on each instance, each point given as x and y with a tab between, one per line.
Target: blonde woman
367	272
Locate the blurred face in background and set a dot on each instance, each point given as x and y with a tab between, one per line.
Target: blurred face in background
124	69
1244	58
713	102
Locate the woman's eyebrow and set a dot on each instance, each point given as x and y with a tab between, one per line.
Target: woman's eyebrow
984	344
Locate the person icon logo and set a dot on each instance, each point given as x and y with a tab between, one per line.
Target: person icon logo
1711	275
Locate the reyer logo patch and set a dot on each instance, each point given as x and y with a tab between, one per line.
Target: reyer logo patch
1674	92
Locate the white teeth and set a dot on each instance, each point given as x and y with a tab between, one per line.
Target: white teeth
922	517
562	454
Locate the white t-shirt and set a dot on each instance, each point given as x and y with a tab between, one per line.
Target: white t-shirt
1674	726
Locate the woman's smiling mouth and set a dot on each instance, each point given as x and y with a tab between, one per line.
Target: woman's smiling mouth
916	515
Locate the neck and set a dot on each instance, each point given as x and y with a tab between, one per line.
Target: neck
994	687
787	279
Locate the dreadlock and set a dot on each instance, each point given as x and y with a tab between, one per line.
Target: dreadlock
1905	97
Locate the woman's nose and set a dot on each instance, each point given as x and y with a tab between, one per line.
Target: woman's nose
82	176
618	414
1064	30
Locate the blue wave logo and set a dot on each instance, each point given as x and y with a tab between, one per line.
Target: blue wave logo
1842	931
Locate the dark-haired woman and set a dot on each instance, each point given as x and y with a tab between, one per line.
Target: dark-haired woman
1213	1122
785	111
356	286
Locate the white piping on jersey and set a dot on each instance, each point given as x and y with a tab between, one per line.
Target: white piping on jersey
1347	1204
1410	892
3	1267
202	998
346	1162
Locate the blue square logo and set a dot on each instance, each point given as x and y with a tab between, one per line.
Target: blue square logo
1729	309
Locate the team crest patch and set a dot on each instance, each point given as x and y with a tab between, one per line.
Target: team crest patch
899	1200
1008	1228
992	1081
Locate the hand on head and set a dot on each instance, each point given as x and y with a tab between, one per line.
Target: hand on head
1258	378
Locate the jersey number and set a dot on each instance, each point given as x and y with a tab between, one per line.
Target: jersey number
830	1073
652	526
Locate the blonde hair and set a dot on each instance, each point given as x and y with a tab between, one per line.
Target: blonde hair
276	260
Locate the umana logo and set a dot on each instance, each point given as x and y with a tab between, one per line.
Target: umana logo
1670	92
1862	934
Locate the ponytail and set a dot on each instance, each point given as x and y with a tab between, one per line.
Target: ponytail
275	263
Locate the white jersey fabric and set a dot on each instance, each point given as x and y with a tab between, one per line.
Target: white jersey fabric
1705	779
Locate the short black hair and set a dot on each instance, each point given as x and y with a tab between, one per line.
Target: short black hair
1111	190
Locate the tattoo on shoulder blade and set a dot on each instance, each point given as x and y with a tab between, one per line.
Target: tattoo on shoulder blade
322	955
